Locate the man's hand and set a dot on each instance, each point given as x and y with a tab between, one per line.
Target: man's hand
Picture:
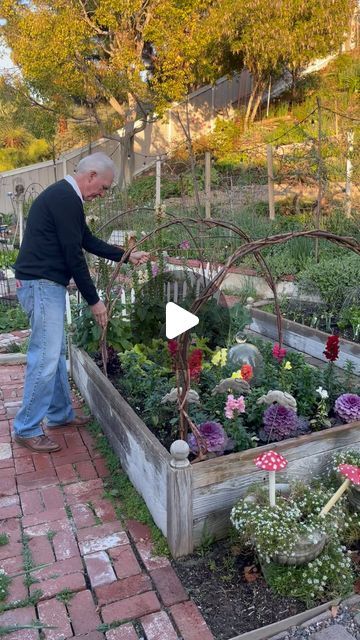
139	257
100	313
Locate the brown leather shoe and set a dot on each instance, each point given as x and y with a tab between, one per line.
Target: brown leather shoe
78	421
41	444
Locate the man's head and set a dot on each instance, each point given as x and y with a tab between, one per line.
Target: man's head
94	175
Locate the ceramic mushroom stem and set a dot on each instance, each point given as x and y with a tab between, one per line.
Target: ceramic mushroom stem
272	488
352	474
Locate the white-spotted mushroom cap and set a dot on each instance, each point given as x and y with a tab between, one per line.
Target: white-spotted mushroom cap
351	472
271	461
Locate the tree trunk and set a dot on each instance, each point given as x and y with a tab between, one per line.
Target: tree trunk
249	105
257	102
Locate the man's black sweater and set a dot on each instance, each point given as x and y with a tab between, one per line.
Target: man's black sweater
56	234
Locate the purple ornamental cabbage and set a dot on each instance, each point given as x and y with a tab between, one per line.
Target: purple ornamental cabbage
280	422
347	407
214	436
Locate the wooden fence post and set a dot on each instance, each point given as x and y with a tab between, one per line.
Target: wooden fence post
179	501
207	184
268	99
158	184
270	167
349	168
320	178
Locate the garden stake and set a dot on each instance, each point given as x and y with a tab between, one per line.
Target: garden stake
352	474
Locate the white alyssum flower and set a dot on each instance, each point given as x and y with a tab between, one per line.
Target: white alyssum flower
322	393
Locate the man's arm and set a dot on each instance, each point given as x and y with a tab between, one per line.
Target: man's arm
98	247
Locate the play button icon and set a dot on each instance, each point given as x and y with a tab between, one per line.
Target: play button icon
178	320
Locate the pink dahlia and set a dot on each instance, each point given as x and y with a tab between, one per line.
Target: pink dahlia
347	406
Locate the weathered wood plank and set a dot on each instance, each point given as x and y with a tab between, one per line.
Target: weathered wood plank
127	415
272	630
306	339
212	503
216	525
182	504
142	457
219	469
179	512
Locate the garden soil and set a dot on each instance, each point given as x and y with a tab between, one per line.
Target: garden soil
230	591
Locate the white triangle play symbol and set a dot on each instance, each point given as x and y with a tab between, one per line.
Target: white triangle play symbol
178	320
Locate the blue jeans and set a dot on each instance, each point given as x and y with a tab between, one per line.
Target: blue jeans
46	388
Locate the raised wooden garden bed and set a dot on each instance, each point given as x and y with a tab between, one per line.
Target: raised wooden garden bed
188	502
303	338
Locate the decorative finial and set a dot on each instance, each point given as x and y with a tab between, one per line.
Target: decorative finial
179	451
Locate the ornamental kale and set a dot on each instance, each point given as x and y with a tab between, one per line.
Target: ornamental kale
347	406
214	436
280	422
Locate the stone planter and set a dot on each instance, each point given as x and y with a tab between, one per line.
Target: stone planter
307	549
187	502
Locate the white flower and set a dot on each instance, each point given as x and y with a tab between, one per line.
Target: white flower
322	392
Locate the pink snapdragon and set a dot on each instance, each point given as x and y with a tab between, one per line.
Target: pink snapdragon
278	352
234	405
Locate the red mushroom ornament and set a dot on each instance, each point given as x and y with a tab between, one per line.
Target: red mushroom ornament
271	462
352	474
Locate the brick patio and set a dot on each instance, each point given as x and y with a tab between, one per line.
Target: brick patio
57	501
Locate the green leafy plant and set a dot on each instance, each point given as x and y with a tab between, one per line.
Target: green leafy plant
65	596
87	332
13	318
271	530
4	584
328	576
332	279
8	257
4	538
350	317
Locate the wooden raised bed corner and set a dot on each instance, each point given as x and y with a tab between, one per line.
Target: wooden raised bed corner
187	502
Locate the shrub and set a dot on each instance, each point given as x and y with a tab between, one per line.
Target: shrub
331	278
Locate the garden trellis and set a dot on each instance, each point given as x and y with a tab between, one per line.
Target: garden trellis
248	247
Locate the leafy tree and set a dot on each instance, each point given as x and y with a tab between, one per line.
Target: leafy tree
316	28
269	38
135	55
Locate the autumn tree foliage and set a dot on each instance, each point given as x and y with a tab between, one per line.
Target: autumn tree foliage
137	56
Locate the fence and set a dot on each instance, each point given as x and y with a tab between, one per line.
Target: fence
180	282
311	168
34	178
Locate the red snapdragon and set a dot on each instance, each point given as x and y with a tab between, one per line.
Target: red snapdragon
332	348
278	352
195	363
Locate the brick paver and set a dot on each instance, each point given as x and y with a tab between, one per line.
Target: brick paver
90	567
